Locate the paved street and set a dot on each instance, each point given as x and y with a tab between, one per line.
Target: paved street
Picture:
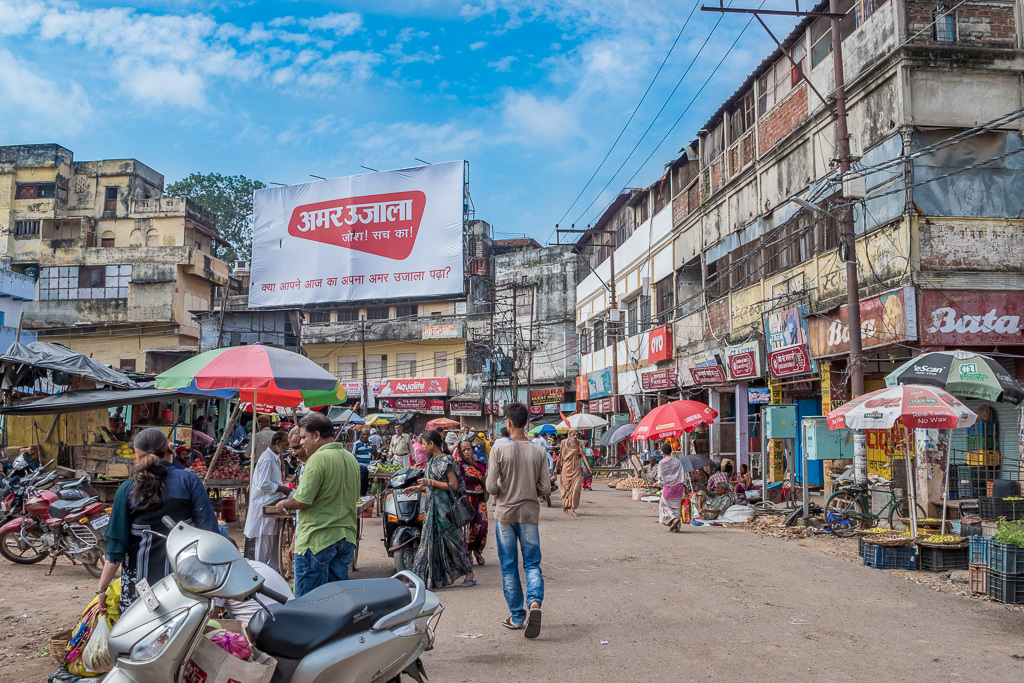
706	604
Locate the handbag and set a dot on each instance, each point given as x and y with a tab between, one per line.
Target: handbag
462	511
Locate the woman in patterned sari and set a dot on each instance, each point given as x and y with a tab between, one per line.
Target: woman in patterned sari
474	473
442	557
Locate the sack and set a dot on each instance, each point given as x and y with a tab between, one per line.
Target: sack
211	664
96	655
462	511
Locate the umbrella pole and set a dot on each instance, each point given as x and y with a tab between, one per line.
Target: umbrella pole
255	426
910	460
224	438
945	487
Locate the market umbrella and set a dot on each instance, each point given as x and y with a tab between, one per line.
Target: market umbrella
379	419
694	461
614	436
672	419
441	423
582	421
961	373
345	416
546	429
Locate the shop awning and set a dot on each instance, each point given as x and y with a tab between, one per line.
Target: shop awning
24	363
93	399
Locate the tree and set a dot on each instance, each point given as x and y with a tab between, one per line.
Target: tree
231	198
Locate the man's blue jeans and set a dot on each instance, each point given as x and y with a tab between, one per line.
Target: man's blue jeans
510	537
313	570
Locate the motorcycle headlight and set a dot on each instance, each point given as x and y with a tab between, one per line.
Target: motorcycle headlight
194	575
152	645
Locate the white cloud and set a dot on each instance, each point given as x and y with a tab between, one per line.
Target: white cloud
394	145
37	105
478	45
539	121
163	85
343	24
502	65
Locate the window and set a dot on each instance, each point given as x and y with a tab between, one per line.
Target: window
945	26
584	342
778	81
110	199
460	365
436	314
318	316
741	118
406	365
107	238
664	296
440	363
346	315
377	313
632	311
348	366
406	311
26	228
376	366
645	313
598	335
91	276
127	364
35	190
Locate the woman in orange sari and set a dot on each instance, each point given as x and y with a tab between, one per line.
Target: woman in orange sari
474	474
570	464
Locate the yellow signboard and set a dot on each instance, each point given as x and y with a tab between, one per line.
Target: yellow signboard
778	460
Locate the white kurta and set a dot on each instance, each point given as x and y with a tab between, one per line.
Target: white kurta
263	483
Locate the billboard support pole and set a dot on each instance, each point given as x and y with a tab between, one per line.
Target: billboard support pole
366	385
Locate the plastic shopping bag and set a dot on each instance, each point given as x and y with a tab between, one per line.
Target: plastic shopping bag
81	635
96	655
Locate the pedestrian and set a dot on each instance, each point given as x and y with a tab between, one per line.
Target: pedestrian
670	470
156	489
262	438
266	485
419	455
400	447
442	556
365	451
451	437
587	465
378	443
570	466
327	503
517	477
474	474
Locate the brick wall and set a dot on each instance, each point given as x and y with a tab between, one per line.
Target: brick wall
980	24
783	119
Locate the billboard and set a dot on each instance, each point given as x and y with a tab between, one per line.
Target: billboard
786	340
376	236
884	319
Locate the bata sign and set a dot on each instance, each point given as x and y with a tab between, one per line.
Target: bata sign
376	236
434	386
659	345
884	319
951	318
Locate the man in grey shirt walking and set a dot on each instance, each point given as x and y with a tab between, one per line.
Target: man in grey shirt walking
517	476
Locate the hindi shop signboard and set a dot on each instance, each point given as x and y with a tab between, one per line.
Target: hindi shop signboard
786	339
465	408
658	379
884	319
743	361
543	397
375	236
599	383
963	317
706	369
427	406
431	386
442	331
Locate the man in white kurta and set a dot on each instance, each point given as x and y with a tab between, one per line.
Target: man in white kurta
265	488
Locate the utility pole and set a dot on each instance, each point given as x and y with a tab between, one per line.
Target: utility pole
366	385
514	379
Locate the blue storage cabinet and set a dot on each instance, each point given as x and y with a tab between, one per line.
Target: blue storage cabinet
779	421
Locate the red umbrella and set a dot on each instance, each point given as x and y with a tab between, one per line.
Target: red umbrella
913	405
673	419
441	423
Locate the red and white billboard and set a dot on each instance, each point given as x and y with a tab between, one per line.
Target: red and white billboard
659	344
430	386
378	236
465	408
961	317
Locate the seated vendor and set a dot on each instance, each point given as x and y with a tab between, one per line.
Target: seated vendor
718	498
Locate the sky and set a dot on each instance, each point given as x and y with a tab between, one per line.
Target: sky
532	93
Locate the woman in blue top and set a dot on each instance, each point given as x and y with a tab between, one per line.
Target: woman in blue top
155	490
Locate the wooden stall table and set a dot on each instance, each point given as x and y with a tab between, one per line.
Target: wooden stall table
286	534
241	493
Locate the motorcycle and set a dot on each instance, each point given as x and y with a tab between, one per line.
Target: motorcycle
13	487
48	525
344	631
403	518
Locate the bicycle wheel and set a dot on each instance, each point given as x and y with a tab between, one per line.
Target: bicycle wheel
901	508
838	509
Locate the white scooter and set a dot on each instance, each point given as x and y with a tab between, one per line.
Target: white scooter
370	630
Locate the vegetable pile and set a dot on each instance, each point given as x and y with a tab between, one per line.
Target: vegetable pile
1010	533
630	483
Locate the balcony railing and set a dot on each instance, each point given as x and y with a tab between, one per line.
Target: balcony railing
399	329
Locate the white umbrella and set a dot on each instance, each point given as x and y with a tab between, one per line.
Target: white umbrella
582	421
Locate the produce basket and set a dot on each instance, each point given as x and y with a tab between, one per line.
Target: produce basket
932	558
892	540
946	542
890	557
1001	508
978	579
1005	557
1007	588
58	644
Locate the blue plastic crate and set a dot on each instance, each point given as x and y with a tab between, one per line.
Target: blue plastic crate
1005	558
967	490
860	547
1008	588
890	557
979	550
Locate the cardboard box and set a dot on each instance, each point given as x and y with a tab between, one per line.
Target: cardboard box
118	470
210	664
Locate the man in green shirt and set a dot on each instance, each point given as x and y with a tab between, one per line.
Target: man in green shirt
327	500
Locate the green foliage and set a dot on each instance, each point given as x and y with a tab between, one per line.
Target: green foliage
1010	533
231	198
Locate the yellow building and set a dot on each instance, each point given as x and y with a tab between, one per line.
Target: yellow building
119	265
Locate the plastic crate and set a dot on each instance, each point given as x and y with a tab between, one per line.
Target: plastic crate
984	458
979	550
1005	557
978	579
976	442
890	557
1008	588
970	530
860	547
941	559
967	489
998	508
975	472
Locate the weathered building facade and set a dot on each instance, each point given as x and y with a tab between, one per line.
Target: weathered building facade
118	265
752	284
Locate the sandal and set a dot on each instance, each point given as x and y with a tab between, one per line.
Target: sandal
533	622
479	557
512	626
468	583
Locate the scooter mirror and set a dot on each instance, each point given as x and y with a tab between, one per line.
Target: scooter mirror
168	522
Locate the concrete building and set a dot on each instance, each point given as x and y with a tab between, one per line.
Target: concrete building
752	285
119	265
15	290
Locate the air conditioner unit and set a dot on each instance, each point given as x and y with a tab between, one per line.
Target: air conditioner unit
614	315
855	188
856	150
589	324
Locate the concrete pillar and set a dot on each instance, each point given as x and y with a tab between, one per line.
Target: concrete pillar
742	428
715	432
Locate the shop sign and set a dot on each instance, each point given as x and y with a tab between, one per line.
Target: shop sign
572	355
492	409
465	408
536	410
706	369
432	386
962	317
442	331
884	319
582	388
354	387
427	406
599	384
604	405
264	408
786	340
759	395
542	397
659	344
658	379
743	361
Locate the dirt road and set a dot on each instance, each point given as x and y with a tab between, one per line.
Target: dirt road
626	600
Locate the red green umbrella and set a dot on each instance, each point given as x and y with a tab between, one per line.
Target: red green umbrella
260	374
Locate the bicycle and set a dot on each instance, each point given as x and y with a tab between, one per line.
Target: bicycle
849	508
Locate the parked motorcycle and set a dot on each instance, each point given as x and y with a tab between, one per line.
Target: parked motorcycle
343	632
47	525
403	517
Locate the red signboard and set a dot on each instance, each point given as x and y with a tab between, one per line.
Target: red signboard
543	397
884	319
789	361
659	379
536	410
962	317
713	375
659	344
427	406
582	388
466	408
431	386
347	222
602	405
743	365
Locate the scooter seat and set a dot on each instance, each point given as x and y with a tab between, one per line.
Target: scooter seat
62	508
330	612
